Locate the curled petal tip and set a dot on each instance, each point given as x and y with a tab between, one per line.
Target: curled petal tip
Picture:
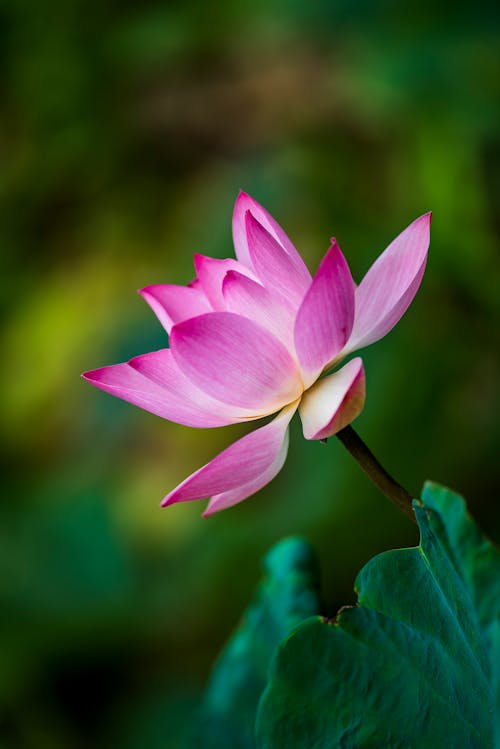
145	290
91	375
147	293
198	259
425	218
171	498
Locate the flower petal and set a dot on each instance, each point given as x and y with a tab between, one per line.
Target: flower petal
325	317
273	265
237	361
154	382
245	203
211	272
385	293
172	304
227	499
333	402
240	469
250	299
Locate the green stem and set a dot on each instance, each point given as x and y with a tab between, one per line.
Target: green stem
370	465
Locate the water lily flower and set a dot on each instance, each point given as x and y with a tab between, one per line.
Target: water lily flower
258	336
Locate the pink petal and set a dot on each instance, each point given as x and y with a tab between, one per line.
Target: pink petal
325	317
237	361
211	272
241	468
252	300
333	402
155	383
227	499
385	293
173	304
274	266
245	203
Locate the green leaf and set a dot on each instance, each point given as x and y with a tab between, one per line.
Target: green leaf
286	596
415	664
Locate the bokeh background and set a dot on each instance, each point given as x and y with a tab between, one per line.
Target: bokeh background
126	131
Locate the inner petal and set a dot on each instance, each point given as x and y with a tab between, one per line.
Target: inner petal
210	273
252	300
236	360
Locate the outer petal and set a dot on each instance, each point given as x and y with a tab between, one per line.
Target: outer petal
235	360
333	402
388	288
325	317
245	203
154	382
211	272
227	499
273	265
240	469
173	304
251	299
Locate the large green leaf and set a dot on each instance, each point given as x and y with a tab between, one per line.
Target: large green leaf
414	665
286	596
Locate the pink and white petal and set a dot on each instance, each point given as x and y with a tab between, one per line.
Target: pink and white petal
273	265
210	273
245	203
333	402
237	361
325	317
250	299
233	496
155	383
172	304
385	293
242	463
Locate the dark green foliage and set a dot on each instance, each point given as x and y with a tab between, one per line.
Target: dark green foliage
415	664
286	596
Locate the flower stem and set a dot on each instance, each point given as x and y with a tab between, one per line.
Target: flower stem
370	465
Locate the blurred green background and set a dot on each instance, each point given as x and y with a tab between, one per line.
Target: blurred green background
126	131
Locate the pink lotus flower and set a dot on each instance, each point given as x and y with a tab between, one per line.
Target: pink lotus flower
253	336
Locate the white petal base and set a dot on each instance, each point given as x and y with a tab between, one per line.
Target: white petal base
333	402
